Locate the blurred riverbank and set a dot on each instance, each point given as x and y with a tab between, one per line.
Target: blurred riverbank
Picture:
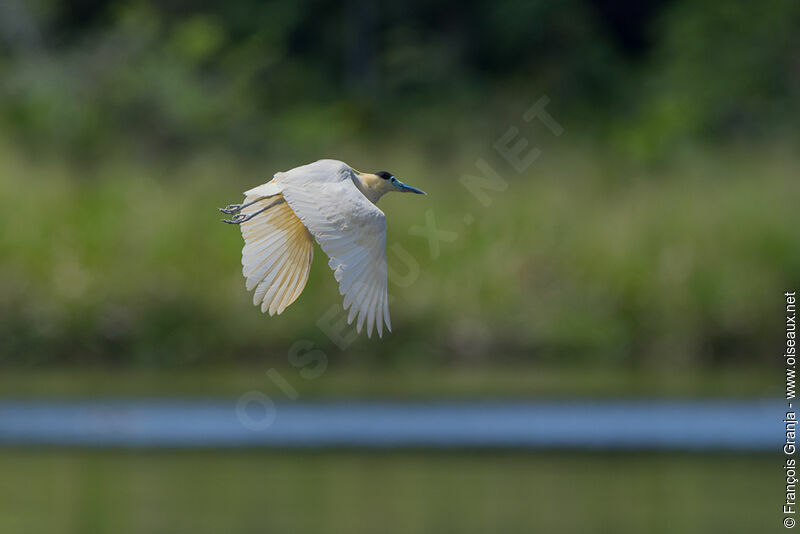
340	382
579	261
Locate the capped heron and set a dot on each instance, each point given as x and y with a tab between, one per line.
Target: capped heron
334	204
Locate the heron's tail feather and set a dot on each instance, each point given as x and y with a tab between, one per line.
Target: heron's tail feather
277	254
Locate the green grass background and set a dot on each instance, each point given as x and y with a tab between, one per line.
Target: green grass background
580	260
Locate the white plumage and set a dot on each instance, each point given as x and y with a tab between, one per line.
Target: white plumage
334	204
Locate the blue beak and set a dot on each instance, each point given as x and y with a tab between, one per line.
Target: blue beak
407	188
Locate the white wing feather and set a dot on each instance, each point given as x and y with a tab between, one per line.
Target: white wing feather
350	229
277	254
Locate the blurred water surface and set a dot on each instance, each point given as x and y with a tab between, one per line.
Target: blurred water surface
255	421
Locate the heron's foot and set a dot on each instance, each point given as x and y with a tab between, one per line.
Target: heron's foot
238	219
242	218
231	208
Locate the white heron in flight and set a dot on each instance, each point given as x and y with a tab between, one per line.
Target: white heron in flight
334	204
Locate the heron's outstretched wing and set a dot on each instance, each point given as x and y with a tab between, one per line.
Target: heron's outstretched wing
277	253
350	229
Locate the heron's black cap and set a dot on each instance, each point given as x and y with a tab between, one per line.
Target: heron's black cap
383	174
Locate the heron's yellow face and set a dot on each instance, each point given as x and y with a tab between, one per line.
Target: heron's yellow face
375	185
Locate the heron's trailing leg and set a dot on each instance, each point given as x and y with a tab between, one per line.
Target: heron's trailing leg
235	208
240	218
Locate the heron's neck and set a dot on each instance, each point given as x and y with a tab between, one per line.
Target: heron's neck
372	186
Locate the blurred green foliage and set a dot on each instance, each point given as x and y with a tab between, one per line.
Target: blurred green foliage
656	232
680	266
95	76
